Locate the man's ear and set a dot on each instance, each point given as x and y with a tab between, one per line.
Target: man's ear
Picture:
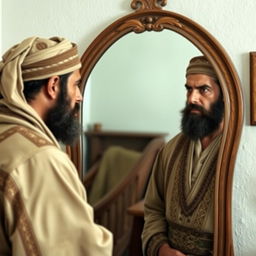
52	87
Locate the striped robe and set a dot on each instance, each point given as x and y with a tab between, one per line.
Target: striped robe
180	197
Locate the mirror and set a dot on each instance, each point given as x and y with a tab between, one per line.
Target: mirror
149	16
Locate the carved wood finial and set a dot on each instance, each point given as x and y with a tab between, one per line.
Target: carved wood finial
140	5
150	23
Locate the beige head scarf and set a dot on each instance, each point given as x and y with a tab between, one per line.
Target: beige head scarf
201	65
34	58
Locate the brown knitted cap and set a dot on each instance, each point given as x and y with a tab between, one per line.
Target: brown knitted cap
200	65
48	57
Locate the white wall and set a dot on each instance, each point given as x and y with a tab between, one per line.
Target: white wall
232	22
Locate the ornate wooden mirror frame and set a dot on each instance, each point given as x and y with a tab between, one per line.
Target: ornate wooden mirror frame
149	16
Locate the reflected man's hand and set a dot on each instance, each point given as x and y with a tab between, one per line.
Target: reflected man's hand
166	250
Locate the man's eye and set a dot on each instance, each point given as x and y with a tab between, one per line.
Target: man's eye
204	89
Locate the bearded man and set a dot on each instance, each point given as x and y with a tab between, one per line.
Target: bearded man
43	205
179	201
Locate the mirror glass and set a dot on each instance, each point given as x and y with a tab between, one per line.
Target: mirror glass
138	84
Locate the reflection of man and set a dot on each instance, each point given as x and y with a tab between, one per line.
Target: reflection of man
43	207
179	200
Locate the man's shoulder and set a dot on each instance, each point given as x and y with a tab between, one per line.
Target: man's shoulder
170	145
174	140
18	143
22	134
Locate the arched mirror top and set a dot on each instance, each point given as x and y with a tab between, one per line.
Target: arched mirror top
149	17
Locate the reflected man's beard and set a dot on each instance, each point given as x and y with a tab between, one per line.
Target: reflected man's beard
198	126
62	121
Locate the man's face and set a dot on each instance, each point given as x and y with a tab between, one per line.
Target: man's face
73	90
204	107
202	91
62	118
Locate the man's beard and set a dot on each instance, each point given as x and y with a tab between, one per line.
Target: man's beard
198	126
62	121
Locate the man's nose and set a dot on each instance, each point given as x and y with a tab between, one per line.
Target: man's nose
193	97
79	96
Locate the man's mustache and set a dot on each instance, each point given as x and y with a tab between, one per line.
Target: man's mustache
191	107
77	107
75	110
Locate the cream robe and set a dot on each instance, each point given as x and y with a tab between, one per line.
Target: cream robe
43	205
179	200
